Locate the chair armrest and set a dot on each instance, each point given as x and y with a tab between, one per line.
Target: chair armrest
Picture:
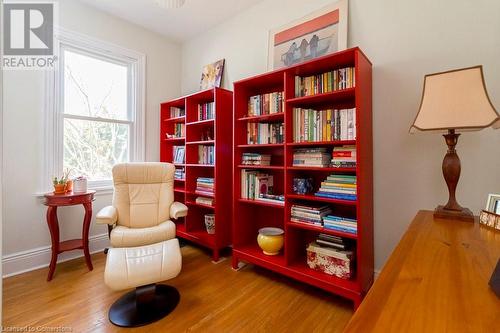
177	210
107	215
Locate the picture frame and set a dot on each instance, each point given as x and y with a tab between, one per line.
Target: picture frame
211	75
317	34
493	203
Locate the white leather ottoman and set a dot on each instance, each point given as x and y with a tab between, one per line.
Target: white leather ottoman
141	268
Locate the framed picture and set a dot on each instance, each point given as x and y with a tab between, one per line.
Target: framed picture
315	35
493	203
211	76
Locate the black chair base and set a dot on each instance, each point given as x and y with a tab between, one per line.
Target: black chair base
144	305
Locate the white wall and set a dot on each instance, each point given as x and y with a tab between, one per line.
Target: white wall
26	239
404	40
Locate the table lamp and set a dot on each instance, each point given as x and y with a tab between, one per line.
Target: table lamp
453	101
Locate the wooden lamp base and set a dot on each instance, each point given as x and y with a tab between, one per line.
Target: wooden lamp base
464	214
451	173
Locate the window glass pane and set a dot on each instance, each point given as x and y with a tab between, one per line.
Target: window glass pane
91	148
94	87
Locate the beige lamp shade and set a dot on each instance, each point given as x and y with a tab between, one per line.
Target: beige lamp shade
455	100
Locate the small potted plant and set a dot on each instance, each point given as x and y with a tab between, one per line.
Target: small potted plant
63	184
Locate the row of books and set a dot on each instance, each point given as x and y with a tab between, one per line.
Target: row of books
179	130
255	159
177	112
178	154
206	154
180	174
342	187
334	242
344	157
309	213
342	224
264	133
204	201
205	186
326	82
312	157
266	104
206	111
256	185
323	125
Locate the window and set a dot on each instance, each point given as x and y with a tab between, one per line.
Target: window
95	119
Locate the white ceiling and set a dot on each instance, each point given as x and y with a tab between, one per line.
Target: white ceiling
180	24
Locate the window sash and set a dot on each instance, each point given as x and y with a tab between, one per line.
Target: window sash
53	132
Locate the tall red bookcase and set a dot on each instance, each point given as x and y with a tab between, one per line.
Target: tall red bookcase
249	216
217	133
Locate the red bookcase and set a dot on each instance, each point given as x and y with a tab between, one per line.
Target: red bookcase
216	133
249	215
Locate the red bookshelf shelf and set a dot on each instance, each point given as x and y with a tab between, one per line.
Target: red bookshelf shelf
175	139
201	165
267	117
175	120
209	195
267	145
261	203
263	167
322	143
179	180
326	98
332	170
206	142
247	220
201	122
311	197
192	227
321	229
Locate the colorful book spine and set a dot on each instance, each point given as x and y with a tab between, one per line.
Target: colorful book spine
265	104
323	125
343	78
206	111
176	112
206	155
264	133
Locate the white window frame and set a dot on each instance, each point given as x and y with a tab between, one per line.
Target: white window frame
54	103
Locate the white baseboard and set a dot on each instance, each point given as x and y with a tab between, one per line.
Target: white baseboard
25	261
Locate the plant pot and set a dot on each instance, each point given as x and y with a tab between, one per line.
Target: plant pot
59	188
210	223
69	186
270	240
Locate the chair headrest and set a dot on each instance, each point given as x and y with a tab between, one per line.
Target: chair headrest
143	173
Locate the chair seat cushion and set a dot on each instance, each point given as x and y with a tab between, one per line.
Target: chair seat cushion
139	266
129	237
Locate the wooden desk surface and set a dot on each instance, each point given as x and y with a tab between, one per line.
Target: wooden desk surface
436	280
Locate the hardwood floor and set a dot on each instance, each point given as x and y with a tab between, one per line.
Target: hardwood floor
214	298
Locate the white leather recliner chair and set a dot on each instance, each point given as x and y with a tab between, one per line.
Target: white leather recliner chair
144	248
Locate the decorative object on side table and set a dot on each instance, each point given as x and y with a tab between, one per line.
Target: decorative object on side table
453	101
493	203
211	77
270	240
80	185
490	219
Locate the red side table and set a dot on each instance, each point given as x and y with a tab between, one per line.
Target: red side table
52	201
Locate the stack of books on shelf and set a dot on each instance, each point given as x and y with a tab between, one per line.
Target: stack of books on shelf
204	201
323	125
258	186
265	104
344	157
311	157
324	83
206	111
180	174
179	130
264	133
342	224
205	186
341	187
176	112
206	155
256	159
335	242
309	214
178	154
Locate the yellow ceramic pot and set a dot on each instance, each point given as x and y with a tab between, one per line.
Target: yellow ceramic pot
270	240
